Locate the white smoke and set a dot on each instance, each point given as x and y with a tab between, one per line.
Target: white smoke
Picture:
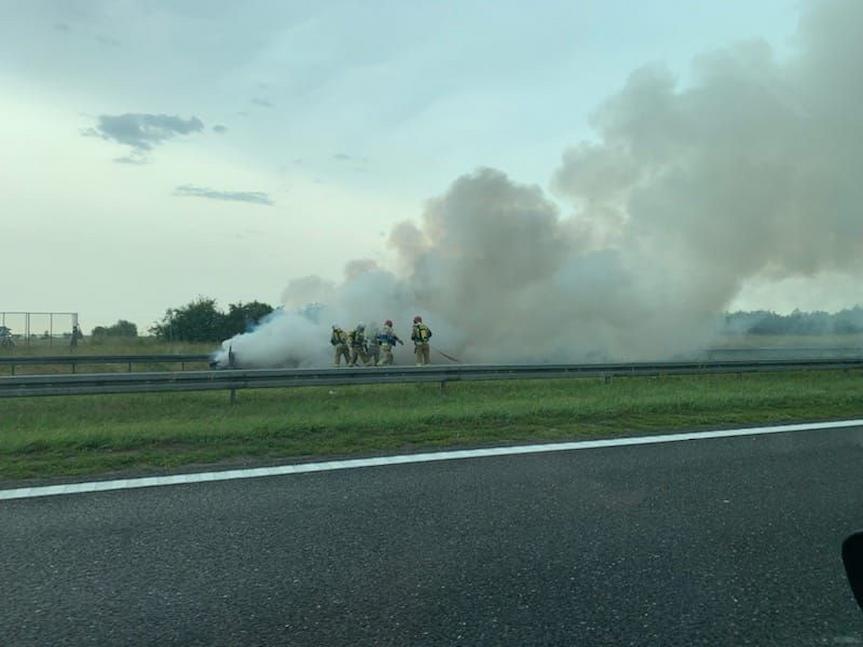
751	171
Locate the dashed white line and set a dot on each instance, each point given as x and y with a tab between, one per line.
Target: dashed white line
305	468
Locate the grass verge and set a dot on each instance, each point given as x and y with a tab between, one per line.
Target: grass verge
47	437
108	346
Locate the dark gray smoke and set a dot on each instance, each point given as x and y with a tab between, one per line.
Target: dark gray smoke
686	194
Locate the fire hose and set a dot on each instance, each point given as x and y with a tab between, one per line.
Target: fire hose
449	357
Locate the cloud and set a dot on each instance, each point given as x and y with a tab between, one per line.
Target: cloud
141	131
61	26
254	197
220	129
134	159
262	102
356	159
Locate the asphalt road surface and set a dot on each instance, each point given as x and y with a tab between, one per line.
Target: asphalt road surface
713	542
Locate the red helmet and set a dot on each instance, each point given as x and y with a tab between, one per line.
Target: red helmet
388	322
418	319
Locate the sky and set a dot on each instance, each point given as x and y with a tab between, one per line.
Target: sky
156	151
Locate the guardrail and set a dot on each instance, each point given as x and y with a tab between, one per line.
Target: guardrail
709	354
74	361
233	380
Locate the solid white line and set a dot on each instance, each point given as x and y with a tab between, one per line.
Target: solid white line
304	468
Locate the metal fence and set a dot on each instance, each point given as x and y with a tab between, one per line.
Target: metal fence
30	326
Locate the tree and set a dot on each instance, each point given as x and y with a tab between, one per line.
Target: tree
199	320
242	317
202	320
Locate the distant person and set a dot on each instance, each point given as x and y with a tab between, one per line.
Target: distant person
76	335
6	340
420	335
388	339
359	346
339	340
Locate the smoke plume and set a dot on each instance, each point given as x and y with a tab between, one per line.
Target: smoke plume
685	194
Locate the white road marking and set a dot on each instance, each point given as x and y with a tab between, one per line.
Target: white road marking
327	466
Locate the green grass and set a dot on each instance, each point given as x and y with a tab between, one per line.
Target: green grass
789	341
151	346
106	346
42	437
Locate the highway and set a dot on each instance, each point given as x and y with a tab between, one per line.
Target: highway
727	541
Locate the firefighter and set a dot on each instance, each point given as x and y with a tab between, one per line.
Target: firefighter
388	339
359	347
339	340
374	347
420	335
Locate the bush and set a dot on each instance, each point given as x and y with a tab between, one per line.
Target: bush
122	328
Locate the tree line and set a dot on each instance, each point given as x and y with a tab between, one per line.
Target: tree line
202	320
765	322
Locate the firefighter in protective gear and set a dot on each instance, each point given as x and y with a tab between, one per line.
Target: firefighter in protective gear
339	340
388	338
359	347
420	335
374	346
